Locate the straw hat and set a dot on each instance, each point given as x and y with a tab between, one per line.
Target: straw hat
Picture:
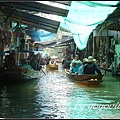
94	60
85	60
90	59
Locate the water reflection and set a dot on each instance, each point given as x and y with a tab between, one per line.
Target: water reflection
55	91
55	96
97	102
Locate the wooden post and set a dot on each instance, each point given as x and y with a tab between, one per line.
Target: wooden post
107	38
101	46
115	54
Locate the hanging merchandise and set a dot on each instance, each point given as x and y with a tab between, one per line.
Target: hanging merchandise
22	40
9	35
6	36
18	42
17	30
12	39
22	46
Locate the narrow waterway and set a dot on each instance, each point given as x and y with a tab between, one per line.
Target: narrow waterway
55	96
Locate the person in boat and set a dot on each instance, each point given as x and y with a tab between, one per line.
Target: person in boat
91	67
47	60
9	60
52	61
25	64
75	64
66	62
80	71
37	61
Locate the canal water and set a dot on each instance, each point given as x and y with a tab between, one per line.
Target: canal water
54	96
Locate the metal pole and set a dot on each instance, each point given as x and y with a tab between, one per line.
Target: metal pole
93	44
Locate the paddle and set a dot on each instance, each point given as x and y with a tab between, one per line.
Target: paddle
40	67
42	70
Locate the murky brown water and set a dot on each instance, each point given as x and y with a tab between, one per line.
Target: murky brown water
55	96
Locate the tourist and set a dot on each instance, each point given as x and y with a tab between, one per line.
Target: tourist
80	71
91	67
75	64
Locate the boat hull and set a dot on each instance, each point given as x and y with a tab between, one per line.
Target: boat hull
20	74
85	79
52	67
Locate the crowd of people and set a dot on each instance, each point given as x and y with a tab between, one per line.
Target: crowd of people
35	61
75	65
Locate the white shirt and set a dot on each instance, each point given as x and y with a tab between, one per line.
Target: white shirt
50	62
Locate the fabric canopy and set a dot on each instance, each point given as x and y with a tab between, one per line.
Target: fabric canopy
40	35
84	16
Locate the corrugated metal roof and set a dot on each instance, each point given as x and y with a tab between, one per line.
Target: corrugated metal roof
32	20
13	11
37	7
64	2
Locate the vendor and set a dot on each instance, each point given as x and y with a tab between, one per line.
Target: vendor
52	61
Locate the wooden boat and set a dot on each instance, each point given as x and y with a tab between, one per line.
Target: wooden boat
52	67
86	79
22	71
20	74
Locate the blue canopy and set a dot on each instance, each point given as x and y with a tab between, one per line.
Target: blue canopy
40	35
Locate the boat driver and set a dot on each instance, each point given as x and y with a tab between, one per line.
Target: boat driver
91	67
52	61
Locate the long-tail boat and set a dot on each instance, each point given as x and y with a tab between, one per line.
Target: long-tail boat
86	79
52	67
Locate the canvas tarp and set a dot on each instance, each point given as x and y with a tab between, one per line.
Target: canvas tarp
84	16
